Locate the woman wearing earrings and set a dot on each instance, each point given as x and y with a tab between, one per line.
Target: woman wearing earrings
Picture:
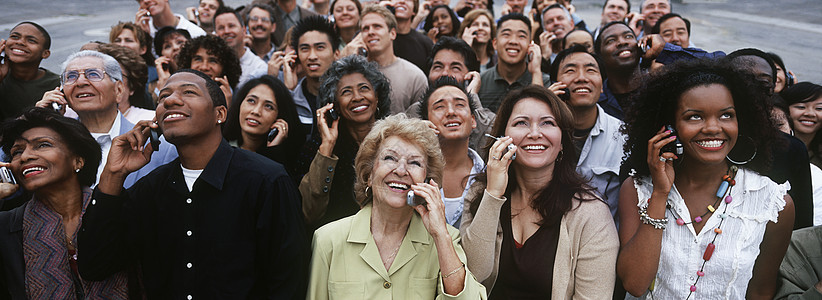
697	220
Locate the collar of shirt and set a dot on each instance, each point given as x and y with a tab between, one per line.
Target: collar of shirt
523	80
215	171
113	132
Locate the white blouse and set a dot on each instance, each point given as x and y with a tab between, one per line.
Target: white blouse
756	201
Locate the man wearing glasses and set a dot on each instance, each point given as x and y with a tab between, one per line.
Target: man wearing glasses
260	21
91	84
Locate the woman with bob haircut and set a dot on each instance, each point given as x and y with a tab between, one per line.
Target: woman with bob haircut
697	218
265	104
442	21
346	15
357	94
804	102
479	31
390	248
55	159
532	227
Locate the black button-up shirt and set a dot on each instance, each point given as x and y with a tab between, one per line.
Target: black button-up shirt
237	235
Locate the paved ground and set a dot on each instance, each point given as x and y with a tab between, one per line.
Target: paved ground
790	28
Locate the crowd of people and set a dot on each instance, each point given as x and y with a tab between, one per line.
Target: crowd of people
406	149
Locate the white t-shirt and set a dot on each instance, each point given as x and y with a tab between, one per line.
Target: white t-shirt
816	183
191	176
193	30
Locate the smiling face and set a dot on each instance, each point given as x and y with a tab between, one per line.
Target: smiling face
448	63
92	97
26	45
398	165
207	63
536	134
807	117
483	27
356	99
674	31
614	10
316	53
619	48
258	111
40	159
442	21
262	28
450	112
706	123
127	39
172	45
207	9
230	30
185	110
403	9
581	73
378	38
653	10
512	42
579	37
346	14
555	20
155	7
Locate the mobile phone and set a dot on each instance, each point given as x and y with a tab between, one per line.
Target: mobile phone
361	51
273	133
331	115
640	24
391	9
510	147
6	176
155	138
413	199
164	66
247	32
789	79
565	96
57	106
529	57
674	147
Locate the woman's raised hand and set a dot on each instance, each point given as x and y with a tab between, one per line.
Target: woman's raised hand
328	133
499	160
661	164
282	127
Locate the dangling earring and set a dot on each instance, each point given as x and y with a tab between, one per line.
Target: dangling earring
728	157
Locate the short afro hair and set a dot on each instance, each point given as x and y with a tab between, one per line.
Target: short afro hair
216	46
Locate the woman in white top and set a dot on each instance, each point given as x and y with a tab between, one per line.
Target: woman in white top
698	221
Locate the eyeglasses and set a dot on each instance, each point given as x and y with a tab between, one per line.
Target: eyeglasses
264	19
95	75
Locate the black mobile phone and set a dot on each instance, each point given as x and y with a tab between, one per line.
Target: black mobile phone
164	66
361	51
391	9
566	96
640	24
155	138
529	57
331	115
789	79
6	176
273	133
674	147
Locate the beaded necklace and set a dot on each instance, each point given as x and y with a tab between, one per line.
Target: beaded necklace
723	192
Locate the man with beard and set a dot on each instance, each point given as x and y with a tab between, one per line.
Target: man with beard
288	13
620	53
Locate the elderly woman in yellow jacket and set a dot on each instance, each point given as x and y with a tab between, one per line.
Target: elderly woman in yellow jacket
389	249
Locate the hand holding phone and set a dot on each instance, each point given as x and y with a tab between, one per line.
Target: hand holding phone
6	176
331	115
273	134
412	199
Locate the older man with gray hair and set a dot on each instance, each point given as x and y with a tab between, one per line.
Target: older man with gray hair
91	83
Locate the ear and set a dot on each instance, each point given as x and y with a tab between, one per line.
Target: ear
143	50
118	89
473	121
46	53
220	113
336	54
79	162
393	33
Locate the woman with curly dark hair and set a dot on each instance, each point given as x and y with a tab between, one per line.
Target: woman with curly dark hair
356	95
211	55
697	220
533	228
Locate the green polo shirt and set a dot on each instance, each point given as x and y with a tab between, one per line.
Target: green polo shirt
494	87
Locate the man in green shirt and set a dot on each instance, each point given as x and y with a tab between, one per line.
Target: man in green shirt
799	274
22	81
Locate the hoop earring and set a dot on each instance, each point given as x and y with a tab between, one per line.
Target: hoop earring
728	157
367	192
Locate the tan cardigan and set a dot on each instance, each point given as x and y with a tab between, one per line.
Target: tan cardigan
585	262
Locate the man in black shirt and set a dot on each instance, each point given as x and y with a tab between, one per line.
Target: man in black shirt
409	44
22	80
217	223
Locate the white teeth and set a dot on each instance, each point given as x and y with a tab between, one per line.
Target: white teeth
174	116
398	185
582	90
84	95
359	108
32	169
534	147
253	121
625	53
809	123
453	124
710	144
18	51
512	52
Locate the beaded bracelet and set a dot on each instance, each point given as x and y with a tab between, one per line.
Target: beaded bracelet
454	271
646	219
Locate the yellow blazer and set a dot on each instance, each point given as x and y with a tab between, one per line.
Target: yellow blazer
346	264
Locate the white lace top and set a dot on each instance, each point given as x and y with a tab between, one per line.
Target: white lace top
756	201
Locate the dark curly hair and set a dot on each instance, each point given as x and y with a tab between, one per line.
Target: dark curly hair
286	110
73	133
656	101
214	46
455	21
356	64
555	199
